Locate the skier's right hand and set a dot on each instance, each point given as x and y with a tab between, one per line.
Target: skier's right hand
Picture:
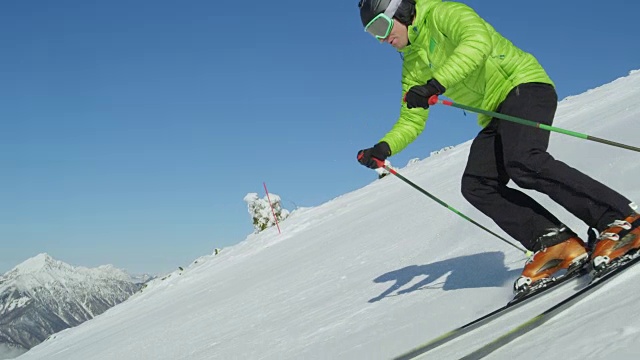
418	96
380	151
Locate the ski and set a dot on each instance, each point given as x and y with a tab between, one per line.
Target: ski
474	324
627	262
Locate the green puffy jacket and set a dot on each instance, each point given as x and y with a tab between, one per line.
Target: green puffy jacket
450	42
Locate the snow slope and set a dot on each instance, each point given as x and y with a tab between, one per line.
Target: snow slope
377	271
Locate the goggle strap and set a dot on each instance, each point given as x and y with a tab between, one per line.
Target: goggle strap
392	8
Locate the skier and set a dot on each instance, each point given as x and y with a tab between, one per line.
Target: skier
448	48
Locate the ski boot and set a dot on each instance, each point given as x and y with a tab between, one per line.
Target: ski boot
560	251
621	238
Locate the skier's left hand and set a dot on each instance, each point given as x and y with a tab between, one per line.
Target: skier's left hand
418	96
380	151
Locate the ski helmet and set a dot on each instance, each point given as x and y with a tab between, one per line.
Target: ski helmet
405	10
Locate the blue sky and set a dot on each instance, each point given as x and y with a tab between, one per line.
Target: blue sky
131	131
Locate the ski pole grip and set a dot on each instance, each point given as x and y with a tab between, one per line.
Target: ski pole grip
433	100
378	162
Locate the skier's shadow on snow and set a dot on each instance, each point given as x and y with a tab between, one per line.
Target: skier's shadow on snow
472	271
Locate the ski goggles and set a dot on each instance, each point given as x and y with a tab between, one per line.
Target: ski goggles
381	25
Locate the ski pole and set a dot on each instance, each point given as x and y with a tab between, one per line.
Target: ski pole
434	100
389	169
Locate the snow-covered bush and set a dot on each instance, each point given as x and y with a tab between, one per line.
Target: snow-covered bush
261	213
446	148
413	162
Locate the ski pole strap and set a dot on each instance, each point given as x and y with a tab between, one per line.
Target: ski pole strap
434	100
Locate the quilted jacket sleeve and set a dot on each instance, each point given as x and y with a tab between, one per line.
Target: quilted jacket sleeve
410	124
464	27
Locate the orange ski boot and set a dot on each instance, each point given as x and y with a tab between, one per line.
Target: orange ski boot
564	252
622	237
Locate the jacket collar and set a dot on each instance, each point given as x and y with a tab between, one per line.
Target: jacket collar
417	28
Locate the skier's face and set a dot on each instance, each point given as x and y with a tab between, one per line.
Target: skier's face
398	38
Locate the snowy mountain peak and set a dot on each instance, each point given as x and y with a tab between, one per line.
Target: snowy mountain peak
43	268
38	263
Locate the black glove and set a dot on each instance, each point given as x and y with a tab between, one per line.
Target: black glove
418	96
380	151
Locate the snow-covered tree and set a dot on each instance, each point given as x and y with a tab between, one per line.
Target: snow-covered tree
261	213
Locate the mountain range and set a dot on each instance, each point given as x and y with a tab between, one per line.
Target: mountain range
42	296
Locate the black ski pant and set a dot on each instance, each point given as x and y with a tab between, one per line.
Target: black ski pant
505	151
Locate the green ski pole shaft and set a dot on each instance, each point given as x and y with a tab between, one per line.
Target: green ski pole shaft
389	169
434	100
